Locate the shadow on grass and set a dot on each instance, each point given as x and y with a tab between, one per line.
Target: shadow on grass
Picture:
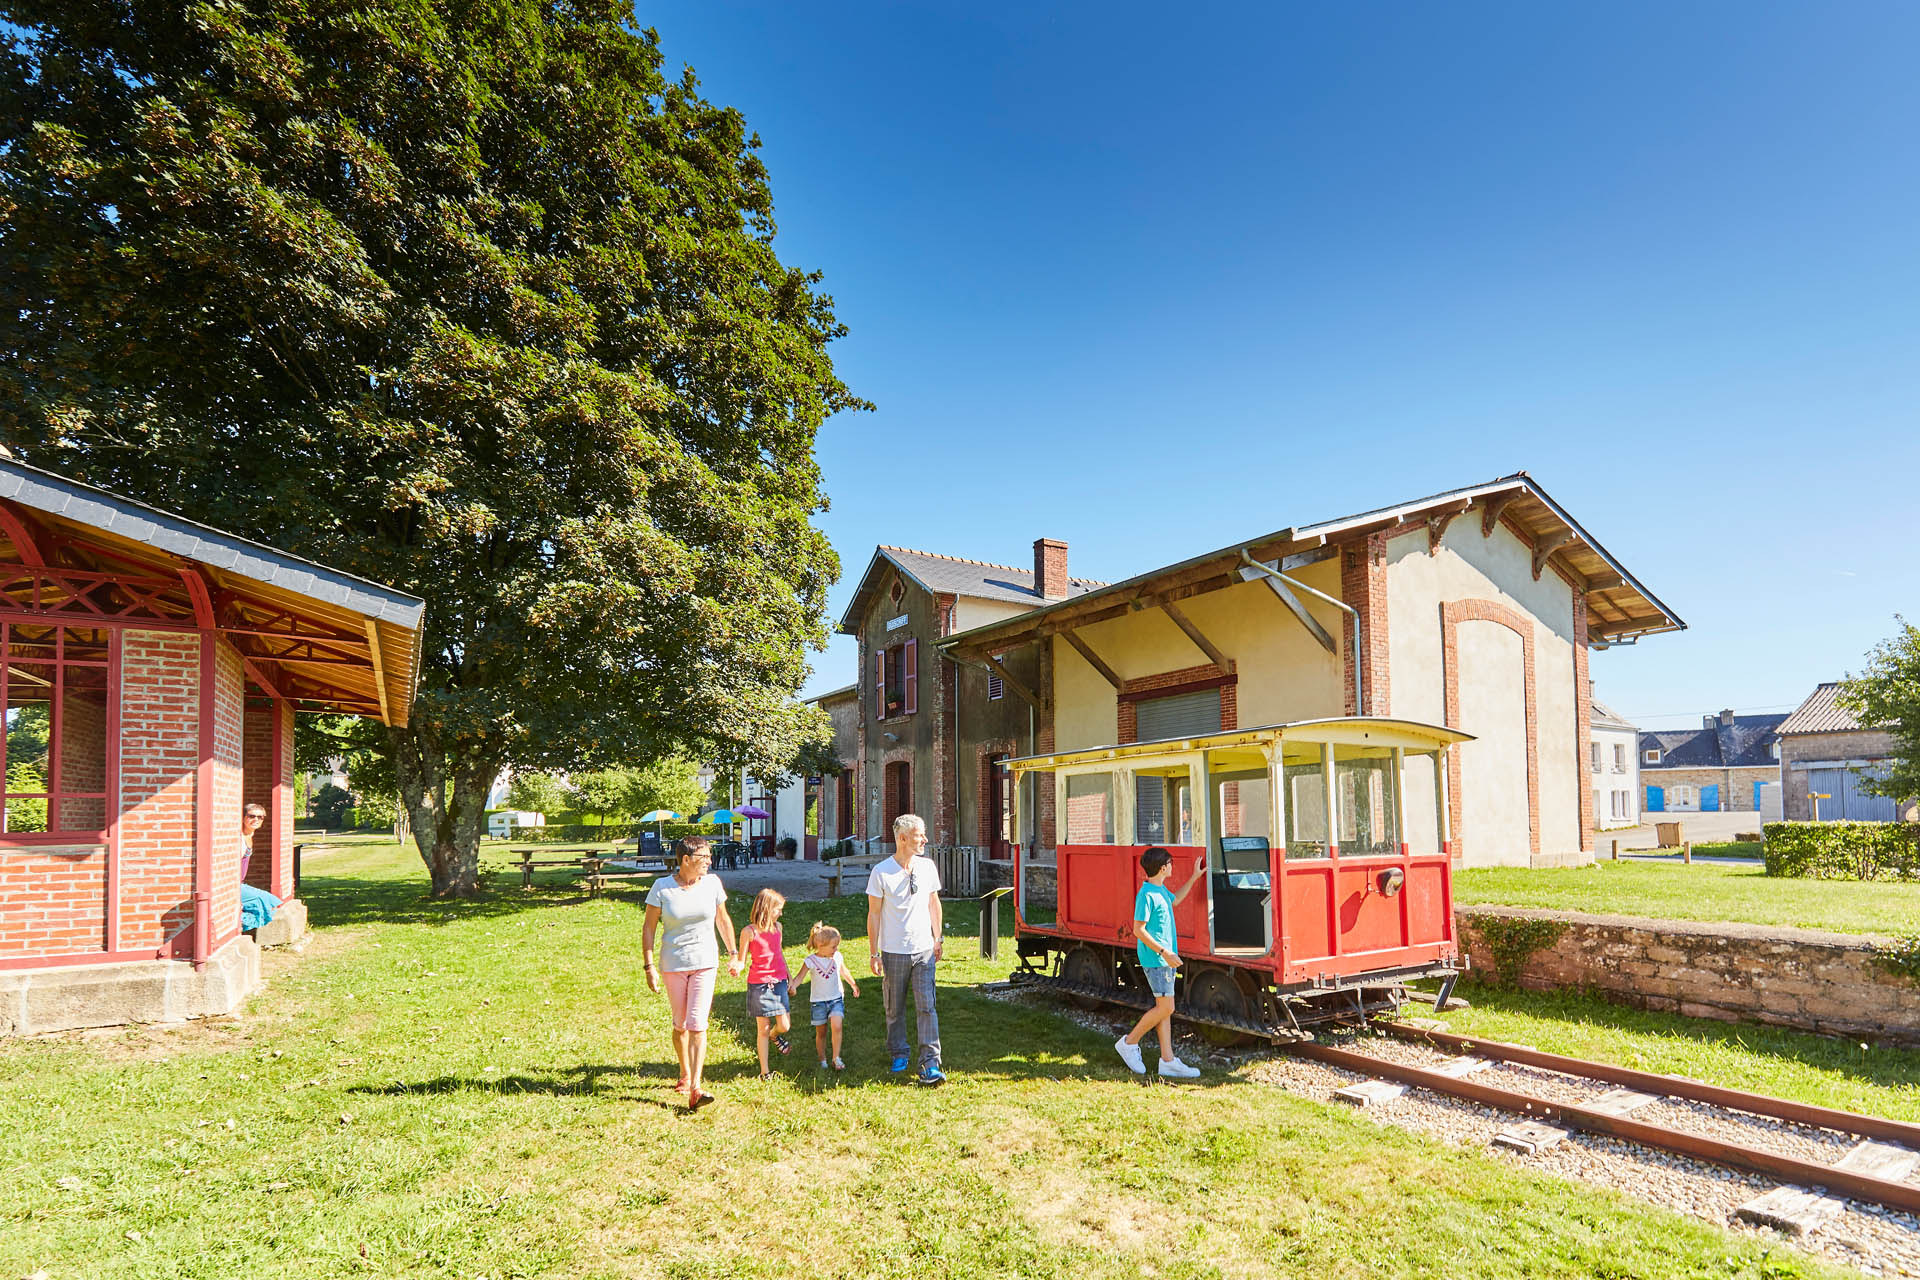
1886	1067
345	900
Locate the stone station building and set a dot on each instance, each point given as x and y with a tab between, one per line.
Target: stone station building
150	669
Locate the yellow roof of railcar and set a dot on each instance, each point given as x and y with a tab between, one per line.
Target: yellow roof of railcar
1372	730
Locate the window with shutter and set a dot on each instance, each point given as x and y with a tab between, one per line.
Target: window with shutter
911	693
1184	715
879	684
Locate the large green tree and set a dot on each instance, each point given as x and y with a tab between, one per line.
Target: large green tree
467	296
1886	694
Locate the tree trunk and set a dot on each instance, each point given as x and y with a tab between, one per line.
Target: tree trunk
446	799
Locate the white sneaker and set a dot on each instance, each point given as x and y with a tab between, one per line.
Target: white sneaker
1175	1069
1130	1054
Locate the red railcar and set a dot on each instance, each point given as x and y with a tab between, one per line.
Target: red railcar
1328	881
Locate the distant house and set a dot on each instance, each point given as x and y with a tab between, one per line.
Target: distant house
1719	767
1614	761
507	821
1824	749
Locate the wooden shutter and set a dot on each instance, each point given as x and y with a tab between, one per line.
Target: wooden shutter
879	684
910	676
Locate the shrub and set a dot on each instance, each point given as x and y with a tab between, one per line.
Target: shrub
330	805
1512	940
374	810
1903	957
1844	850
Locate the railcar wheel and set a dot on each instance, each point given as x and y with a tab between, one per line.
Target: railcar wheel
1087	966
1213	991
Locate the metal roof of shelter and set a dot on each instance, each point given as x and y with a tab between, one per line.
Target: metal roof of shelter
952	575
1822	713
1397	732
318	636
1619	608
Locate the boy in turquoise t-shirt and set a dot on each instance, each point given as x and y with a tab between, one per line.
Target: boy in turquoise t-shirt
1157	945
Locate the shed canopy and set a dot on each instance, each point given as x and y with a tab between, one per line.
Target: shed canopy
324	639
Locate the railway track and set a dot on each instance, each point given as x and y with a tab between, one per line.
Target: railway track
1873	1171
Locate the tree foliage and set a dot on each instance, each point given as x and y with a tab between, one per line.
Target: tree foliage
467	297
630	792
535	792
1887	695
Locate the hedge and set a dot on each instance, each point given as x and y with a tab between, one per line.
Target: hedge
1844	850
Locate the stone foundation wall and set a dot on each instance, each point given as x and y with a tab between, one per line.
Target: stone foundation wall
1829	983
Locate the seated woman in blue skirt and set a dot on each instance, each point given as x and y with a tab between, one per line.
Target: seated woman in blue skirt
257	906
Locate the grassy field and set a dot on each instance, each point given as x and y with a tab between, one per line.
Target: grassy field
1771	1060
1677	891
482	1091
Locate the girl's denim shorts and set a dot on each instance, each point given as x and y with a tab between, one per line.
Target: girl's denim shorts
767	999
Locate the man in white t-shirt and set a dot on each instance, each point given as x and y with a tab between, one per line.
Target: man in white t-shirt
904	928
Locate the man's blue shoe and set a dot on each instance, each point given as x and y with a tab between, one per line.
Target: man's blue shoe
931	1075
899	1065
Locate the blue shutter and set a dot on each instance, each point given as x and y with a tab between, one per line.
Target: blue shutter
1710	798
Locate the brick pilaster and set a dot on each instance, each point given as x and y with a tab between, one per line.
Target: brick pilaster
1363	585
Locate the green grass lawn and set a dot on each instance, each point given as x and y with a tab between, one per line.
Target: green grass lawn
481	1089
1677	891
1771	1060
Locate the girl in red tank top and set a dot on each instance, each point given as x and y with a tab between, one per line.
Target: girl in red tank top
767	974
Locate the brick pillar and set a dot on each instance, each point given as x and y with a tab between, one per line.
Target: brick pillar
1044	745
1050	568
1363	585
159	753
267	780
1583	719
229	697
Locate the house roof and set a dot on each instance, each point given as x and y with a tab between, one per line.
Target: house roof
1745	744
1619	608
1605	717
835	695
321	637
1822	713
952	575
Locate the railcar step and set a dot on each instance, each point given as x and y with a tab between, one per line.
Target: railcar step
1794	1210
1880	1160
1371	1093
1620	1102
1531	1138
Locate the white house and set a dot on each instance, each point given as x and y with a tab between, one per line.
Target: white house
1615	770
506	821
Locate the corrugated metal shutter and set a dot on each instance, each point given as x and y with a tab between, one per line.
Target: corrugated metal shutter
1184	715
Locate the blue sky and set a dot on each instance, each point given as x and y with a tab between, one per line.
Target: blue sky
1152	280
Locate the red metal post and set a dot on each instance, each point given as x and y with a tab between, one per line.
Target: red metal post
280	810
203	810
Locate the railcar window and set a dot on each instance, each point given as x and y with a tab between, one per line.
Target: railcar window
1363	788
1090	808
1244	806
1306	810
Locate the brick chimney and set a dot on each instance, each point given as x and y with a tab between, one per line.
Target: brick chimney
1726	718
1050	568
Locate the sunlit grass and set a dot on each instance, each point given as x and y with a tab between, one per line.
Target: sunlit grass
462	1090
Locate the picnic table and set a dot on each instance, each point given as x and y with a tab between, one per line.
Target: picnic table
589	860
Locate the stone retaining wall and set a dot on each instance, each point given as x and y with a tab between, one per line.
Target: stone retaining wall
1828	983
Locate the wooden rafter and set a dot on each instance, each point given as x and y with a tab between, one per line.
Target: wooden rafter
1545	545
20	532
1605	580
1012	682
1490	513
1199	638
1437	523
1093	659
379	670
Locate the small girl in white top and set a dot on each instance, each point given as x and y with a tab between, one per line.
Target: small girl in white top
827	969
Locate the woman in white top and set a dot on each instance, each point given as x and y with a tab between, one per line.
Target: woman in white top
693	906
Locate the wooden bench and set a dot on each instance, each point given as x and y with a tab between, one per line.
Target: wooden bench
597	874
838	868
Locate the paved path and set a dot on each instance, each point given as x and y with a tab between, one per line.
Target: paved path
1701	828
